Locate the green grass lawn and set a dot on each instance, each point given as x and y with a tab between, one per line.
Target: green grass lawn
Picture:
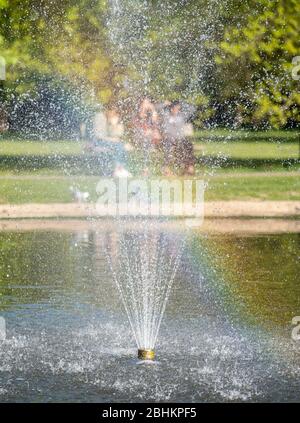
18	190
52	184
44	190
40	148
249	150
255	187
243	149
248	135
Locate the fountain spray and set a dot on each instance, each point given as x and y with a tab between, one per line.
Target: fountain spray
143	262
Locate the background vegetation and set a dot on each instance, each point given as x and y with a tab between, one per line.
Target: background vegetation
231	59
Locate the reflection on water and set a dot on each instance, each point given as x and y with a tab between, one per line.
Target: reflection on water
261	273
226	335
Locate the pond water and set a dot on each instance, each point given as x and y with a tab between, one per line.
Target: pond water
225	336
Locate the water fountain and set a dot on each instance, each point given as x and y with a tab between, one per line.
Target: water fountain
144	263
141	263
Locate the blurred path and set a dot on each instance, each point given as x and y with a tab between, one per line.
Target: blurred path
212	226
215	209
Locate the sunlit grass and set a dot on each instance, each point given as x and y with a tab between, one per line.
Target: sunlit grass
51	185
249	150
255	188
40	148
247	135
28	189
239	149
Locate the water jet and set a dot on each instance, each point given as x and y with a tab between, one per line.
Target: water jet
143	263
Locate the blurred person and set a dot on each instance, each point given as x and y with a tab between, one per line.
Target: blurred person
146	131
107	140
177	149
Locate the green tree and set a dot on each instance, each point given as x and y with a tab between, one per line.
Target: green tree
256	60
231	59
50	47
66	39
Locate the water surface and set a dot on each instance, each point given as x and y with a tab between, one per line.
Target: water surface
226	335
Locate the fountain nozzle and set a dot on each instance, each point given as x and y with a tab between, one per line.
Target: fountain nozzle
146	354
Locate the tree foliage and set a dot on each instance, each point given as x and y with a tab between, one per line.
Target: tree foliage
256	60
232	59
